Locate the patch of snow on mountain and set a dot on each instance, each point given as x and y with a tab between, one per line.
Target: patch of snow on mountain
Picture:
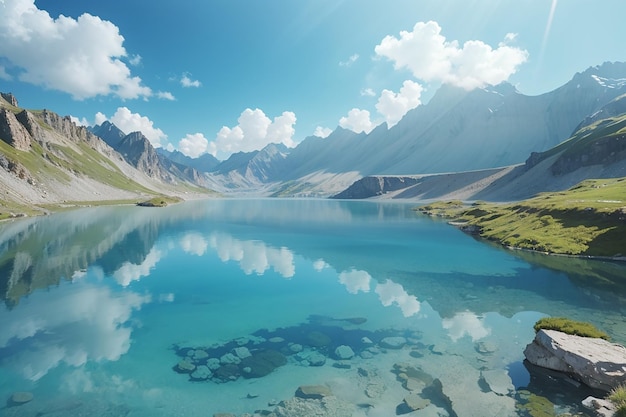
610	82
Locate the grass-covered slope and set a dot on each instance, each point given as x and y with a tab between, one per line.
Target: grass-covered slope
601	139
588	219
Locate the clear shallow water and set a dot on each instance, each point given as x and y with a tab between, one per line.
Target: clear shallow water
101	304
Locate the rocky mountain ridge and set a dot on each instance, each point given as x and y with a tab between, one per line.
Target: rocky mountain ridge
48	159
596	150
139	152
456	131
466	135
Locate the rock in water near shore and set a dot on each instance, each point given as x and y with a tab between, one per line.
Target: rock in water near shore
595	362
19	398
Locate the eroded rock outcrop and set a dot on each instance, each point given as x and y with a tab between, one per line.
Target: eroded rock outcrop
28	120
12	131
595	362
376	185
10	98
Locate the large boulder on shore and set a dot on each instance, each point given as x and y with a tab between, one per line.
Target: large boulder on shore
595	362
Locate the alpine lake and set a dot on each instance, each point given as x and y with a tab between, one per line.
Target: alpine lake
243	307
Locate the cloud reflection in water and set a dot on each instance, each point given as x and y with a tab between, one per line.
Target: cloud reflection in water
79	323
253	255
130	272
355	280
466	323
392	293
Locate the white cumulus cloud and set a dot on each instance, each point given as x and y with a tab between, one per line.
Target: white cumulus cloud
128	122
351	60
430	57
253	132
322	132
357	120
165	95
135	60
79	122
193	145
100	118
187	82
81	57
393	106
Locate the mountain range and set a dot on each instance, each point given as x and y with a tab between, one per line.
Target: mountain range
491	143
456	131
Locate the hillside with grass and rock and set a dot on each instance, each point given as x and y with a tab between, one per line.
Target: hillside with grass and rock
589	219
48	162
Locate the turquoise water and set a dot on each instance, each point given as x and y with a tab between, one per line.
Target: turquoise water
101	306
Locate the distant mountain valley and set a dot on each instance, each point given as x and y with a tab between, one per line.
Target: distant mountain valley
491	144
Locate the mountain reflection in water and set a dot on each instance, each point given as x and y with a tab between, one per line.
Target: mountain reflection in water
96	298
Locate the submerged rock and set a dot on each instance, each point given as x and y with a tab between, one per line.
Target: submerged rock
498	381
213	364
201	373
228	372
184	366
295	348
344	352
262	363
412	402
199	354
393	342
315	392
595	362
21	397
242	352
316	359
230	358
326	407
458	384
318	339
486	347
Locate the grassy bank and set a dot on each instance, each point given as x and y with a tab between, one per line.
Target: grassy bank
160	201
588	219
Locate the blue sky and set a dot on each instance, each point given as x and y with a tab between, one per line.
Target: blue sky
231	75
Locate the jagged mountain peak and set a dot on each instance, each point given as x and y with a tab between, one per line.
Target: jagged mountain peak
204	163
609	70
108	132
609	75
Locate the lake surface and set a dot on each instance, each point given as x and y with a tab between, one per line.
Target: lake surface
228	306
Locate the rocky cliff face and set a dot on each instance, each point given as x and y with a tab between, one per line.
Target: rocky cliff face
603	151
10	98
137	150
374	186
13	132
28	120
